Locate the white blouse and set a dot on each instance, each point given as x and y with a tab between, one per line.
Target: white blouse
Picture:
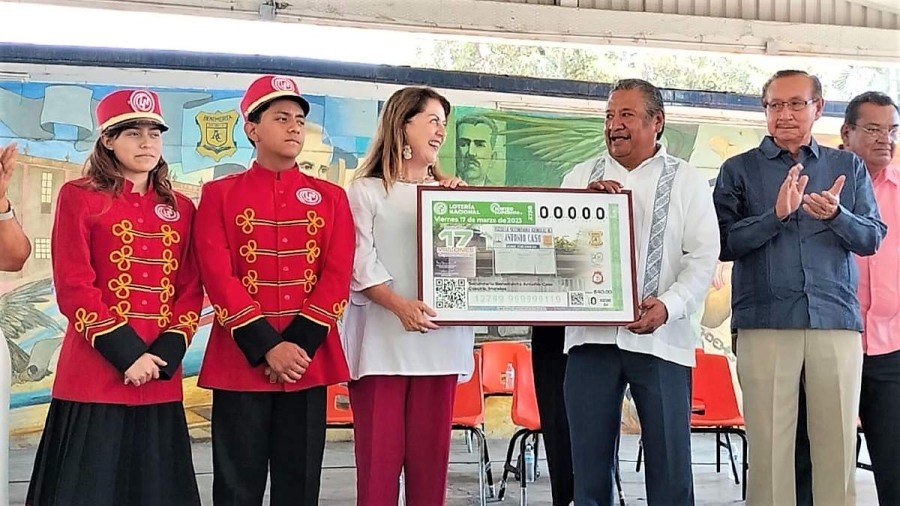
374	340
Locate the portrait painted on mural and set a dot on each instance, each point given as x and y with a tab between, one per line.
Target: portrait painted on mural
476	151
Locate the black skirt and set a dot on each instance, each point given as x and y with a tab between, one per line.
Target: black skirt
114	455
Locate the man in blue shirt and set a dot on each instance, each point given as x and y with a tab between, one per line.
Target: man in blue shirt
791	216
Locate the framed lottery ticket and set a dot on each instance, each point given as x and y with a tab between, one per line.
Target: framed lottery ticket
527	256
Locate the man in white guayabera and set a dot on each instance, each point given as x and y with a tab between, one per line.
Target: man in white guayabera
676	247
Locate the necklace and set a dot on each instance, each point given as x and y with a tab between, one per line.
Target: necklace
427	179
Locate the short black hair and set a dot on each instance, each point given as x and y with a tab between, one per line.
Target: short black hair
256	115
653	100
851	114
816	83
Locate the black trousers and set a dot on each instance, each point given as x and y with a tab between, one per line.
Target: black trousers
596	376
879	410
253	432
802	455
549	364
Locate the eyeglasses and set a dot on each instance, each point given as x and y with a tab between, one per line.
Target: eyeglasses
892	133
794	105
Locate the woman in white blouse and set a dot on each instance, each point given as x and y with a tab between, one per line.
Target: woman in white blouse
404	368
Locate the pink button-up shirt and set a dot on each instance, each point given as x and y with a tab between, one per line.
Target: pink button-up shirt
879	274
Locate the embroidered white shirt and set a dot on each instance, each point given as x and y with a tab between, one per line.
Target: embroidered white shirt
690	250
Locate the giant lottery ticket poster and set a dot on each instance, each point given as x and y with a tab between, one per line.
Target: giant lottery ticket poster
527	256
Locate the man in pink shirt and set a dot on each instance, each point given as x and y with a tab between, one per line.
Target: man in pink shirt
871	130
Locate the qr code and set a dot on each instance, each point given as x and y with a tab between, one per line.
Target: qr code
576	299
451	293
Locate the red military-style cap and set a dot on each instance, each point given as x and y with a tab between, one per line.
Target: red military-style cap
268	88
125	106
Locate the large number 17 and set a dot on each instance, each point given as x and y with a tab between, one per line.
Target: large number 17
456	237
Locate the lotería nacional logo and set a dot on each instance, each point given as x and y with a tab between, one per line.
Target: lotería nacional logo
141	101
283	84
217	134
309	196
167	213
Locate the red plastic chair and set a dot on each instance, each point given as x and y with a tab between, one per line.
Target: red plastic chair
713	387
468	415
697	406
496	357
338	414
524	410
524	414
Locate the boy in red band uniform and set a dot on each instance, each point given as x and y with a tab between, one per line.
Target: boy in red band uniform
127	281
276	252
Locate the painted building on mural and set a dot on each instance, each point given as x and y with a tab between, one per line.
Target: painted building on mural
54	127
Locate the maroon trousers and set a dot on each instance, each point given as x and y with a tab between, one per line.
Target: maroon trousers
402	423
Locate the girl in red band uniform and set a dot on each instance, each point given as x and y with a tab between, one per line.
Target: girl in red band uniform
127	281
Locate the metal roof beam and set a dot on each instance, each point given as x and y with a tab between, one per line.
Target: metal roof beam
552	23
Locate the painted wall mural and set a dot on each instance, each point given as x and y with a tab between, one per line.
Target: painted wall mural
54	127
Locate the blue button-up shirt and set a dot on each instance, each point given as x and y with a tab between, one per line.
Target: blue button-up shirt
797	273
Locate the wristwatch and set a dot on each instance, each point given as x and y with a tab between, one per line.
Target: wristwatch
9	214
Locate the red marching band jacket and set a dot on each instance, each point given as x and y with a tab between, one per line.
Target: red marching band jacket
127	281
276	254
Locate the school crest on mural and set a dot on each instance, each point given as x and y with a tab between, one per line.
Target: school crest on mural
216	134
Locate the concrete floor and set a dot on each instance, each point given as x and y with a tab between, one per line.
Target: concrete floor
338	477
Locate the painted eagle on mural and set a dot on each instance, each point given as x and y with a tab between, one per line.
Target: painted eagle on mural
19	315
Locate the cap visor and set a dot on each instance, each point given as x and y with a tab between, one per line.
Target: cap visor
135	121
300	101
